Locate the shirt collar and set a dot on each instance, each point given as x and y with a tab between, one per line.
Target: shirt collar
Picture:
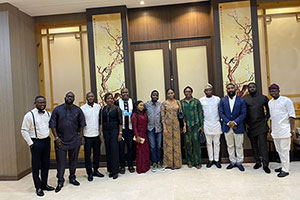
232	99
39	112
90	105
192	99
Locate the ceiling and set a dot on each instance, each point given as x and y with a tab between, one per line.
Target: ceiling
51	7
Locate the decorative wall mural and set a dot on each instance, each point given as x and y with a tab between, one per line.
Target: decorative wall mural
236	44
109	54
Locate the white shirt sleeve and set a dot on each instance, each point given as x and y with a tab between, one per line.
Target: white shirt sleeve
290	108
25	129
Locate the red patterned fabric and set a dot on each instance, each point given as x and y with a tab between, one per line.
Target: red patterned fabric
139	125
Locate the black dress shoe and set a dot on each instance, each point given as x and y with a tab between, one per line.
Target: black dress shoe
39	192
282	174
98	174
90	177
115	176
241	168
218	164
278	169
131	169
267	169
122	170
209	164
74	182
48	188
230	166
110	175
58	187
257	166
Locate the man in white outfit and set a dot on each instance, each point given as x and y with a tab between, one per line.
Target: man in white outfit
283	124
35	131
91	136
212	126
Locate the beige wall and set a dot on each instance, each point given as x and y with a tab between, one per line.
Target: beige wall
279	37
146	62
19	85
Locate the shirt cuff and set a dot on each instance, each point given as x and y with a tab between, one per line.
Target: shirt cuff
29	142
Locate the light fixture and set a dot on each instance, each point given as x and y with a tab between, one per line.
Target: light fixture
142	2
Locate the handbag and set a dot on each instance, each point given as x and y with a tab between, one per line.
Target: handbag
202	138
180	116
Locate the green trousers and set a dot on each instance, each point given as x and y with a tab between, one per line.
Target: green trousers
192	146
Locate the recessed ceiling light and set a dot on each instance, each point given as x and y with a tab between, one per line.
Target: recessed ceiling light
142	2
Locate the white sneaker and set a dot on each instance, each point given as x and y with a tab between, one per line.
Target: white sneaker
154	167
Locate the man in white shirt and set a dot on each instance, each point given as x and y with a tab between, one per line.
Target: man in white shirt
212	126
91	112
35	131
282	127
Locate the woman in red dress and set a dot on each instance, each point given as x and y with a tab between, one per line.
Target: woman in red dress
139	121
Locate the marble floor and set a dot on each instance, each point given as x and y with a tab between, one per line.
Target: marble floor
179	184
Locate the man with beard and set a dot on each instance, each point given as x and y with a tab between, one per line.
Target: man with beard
154	129
67	121
283	116
91	112
35	131
126	105
232	111
257	125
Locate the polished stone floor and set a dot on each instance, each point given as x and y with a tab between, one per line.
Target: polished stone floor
185	183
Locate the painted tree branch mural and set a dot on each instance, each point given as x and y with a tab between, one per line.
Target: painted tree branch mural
245	41
116	53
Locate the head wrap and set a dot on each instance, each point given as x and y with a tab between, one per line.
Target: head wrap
274	87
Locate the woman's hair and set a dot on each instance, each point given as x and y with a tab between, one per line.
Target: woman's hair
168	91
187	87
107	95
135	109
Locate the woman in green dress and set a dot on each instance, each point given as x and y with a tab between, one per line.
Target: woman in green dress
193	115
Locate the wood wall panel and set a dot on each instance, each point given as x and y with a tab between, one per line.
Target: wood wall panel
63	18
20	85
192	20
24	78
8	166
169	22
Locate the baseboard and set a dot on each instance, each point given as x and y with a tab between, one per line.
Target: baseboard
17	177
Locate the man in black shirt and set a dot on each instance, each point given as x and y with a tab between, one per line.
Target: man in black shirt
126	105
256	125
66	122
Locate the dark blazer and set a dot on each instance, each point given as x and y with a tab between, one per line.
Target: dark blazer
237	115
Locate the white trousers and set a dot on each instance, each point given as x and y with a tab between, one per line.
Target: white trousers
213	146
235	146
283	146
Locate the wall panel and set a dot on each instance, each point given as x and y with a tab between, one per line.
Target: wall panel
169	22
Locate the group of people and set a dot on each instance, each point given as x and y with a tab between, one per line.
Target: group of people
152	132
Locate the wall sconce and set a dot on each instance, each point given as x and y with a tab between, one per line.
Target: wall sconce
51	38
